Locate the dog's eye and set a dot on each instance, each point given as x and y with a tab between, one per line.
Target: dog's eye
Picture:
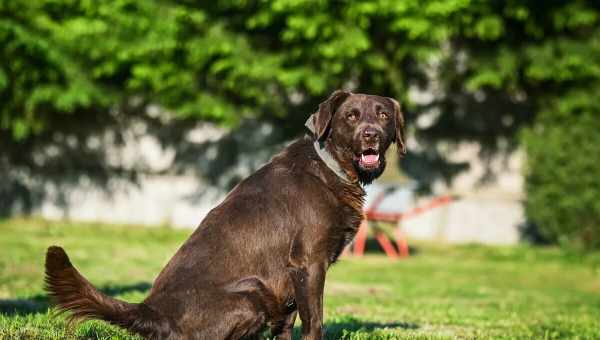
352	116
383	115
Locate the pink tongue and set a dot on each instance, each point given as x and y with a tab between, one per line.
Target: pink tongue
370	159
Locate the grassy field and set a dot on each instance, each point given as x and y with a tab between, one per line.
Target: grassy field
441	292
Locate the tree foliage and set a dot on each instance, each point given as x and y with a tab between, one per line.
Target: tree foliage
562	183
75	70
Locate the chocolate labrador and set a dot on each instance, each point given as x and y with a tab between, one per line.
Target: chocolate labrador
260	257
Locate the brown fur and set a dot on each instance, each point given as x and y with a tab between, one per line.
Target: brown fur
260	257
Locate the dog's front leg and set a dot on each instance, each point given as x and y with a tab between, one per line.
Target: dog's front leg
308	284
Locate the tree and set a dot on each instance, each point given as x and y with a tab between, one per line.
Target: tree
77	70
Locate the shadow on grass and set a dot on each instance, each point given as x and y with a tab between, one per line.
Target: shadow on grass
373	247
335	330
340	328
39	303
33	305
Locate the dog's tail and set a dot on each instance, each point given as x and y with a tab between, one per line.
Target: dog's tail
72	292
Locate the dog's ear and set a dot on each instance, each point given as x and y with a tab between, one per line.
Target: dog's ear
322	118
399	121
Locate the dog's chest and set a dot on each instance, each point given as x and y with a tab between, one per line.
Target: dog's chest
347	222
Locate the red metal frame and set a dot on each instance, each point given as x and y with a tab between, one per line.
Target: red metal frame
372	215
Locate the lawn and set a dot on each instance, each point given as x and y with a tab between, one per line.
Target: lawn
441	292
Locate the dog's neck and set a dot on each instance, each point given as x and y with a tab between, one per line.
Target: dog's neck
330	156
332	163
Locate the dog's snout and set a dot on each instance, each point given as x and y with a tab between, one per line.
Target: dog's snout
370	134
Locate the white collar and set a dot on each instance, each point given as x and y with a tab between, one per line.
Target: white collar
325	156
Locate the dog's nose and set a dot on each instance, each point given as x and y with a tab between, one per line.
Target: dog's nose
370	135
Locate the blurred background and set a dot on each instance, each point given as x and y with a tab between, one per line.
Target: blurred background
121	113
148	112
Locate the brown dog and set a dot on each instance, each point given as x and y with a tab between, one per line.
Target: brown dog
259	257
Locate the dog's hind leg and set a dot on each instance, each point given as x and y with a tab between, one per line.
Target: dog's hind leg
254	290
230	317
285	329
239	310
282	316
247	326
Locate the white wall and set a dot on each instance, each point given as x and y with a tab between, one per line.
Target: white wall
489	213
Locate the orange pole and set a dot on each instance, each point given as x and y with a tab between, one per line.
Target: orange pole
361	238
387	246
402	243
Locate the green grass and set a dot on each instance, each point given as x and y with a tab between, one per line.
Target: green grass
441	292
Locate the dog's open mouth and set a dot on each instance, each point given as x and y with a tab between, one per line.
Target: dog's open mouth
369	159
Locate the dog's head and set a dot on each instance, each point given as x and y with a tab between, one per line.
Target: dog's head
358	129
